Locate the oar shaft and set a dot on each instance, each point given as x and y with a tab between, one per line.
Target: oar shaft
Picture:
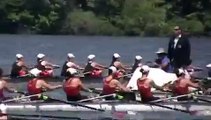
20	98
77	104
94	98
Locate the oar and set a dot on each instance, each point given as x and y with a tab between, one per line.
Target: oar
99	97
170	108
204	100
38	116
175	97
20	98
73	103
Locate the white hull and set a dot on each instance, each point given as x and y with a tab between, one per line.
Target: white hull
136	111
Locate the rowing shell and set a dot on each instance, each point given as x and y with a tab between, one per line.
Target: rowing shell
136	111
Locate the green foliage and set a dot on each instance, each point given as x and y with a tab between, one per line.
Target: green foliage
105	17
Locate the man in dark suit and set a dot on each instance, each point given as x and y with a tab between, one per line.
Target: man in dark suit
179	49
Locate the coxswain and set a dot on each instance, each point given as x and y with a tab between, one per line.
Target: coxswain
145	84
73	86
92	68
19	67
163	61
70	63
38	85
46	68
137	63
112	85
182	84
4	86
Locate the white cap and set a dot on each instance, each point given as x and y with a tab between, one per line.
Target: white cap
208	66
138	57
19	55
160	50
116	55
40	55
113	69
145	68
70	55
72	71
181	71
90	57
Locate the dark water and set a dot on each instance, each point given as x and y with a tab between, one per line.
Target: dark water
56	48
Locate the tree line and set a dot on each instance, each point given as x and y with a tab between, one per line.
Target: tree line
105	17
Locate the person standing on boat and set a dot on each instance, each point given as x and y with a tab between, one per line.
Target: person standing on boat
19	67
209	71
182	84
111	84
73	86
145	84
163	61
179	49
69	64
4	86
44	66
137	63
92	68
38	85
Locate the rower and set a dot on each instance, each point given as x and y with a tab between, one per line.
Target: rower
93	69
69	64
4	86
121	69
137	63
111	84
145	84
38	85
73	86
182	84
163	61
44	66
19	68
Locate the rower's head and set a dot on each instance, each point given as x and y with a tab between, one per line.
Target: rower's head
70	56
145	69
180	72
40	56
177	30
138	58
209	69
112	70
116	56
19	56
1	72
91	57
71	72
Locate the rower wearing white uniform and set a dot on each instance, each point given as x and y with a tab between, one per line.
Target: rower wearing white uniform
19	67
137	63
70	63
44	66
93	69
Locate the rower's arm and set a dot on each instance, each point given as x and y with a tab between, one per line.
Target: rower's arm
7	88
119	85
84	88
50	87
100	66
156	86
195	85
